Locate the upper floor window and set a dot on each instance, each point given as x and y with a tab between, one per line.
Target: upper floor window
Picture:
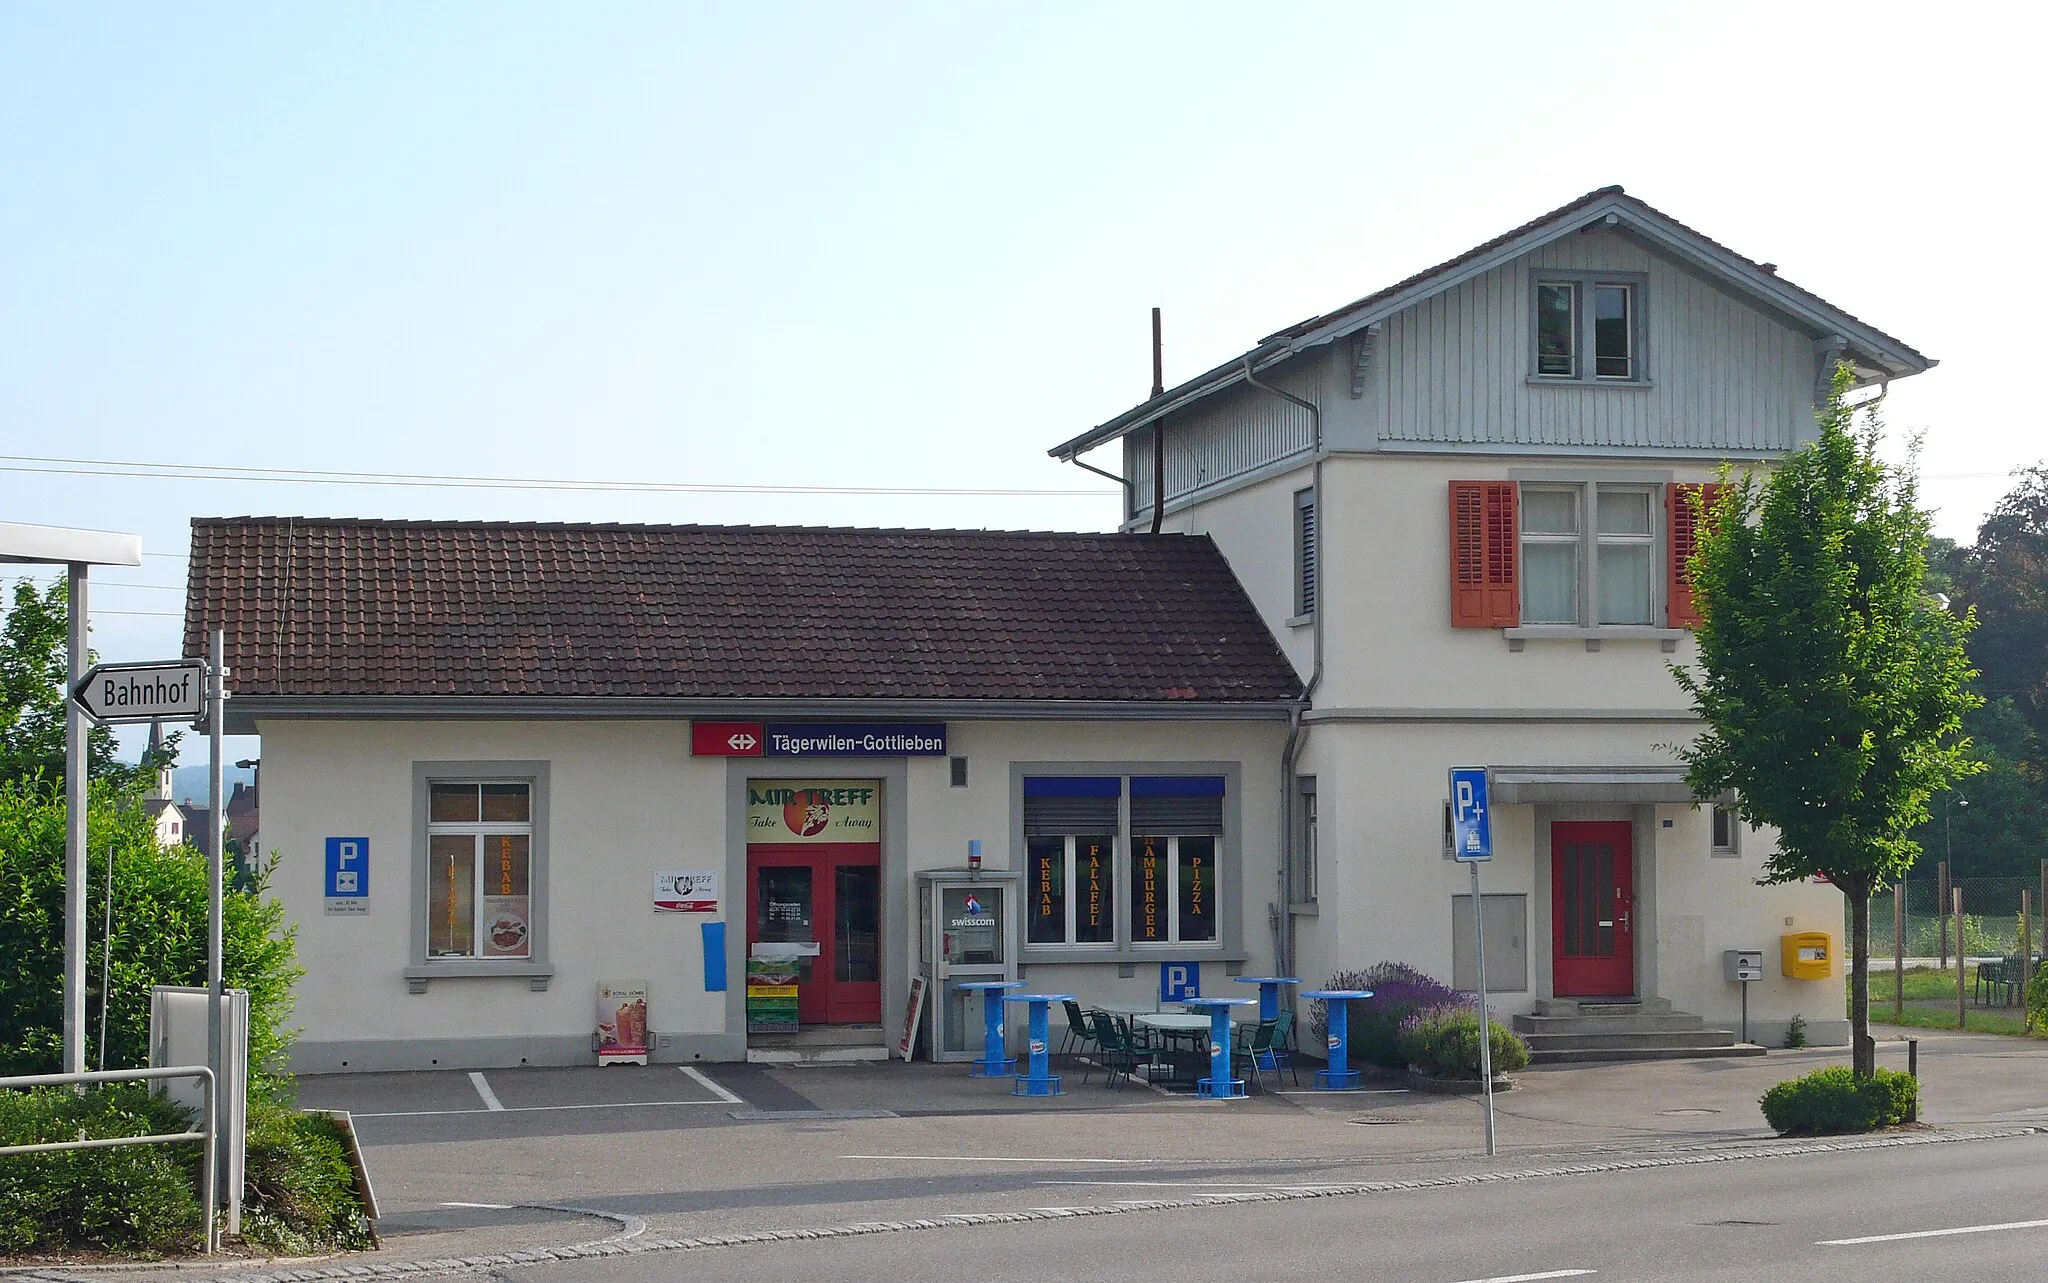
1304	552
1574	554
1588	327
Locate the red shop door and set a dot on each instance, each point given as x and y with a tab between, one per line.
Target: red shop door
1592	910
831	896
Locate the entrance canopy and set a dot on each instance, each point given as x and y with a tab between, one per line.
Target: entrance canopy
1513	785
60	545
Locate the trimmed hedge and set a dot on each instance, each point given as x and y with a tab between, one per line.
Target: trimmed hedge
1831	1101
1444	1043
136	1198
299	1190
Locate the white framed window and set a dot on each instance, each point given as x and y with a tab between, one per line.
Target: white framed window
1587	327
1581	572
1727	832
1072	889
480	869
1173	888
1307	873
479	872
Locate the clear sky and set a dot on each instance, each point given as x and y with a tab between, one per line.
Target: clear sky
914	246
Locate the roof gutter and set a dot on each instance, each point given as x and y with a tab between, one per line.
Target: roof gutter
1297	733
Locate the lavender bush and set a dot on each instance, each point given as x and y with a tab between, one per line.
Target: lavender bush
1398	991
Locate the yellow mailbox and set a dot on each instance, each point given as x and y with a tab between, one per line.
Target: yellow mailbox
1807	955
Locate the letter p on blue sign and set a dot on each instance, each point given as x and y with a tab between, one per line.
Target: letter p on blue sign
348	868
1179	980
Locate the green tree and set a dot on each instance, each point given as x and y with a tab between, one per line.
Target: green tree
34	676
1832	683
2004	579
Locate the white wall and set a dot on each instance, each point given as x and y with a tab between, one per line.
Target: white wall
626	799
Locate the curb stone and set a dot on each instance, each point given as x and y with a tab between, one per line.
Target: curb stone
634	1245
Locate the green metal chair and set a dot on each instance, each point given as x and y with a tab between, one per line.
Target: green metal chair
1079	1036
1252	1051
1113	1049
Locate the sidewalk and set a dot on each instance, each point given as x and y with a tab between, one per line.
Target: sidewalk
806	1148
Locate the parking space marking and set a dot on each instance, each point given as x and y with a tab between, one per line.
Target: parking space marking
1960	1229
534	1109
703	1080
483	1089
487	1207
1531	1278
985	1158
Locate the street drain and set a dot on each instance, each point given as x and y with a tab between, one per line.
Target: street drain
1687	1113
1374	1120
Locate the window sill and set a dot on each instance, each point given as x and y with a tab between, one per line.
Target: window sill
536	974
1047	955
1304	909
1666	638
1302	621
1560	381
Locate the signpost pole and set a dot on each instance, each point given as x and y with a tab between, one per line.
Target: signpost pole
1485	1026
216	693
76	801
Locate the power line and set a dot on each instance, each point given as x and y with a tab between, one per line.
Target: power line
312	476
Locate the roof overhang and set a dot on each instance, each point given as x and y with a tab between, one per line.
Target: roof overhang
245	711
1877	356
1526	785
61	545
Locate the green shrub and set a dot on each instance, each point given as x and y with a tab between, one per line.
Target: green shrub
1795	1033
2037	999
1831	1100
1444	1042
300	1191
159	901
136	1198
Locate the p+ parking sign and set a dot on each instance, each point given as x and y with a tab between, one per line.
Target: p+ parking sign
347	875
1471	814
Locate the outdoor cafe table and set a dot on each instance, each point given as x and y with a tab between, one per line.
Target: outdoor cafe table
1040	1081
1219	1084
1269	1004
1177	1026
1340	1075
994	1062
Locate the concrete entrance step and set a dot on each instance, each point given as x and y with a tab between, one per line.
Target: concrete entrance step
1703	1039
819	1045
1603	1006
1674	1022
1610	1055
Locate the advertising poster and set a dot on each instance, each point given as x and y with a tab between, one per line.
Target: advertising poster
621	1018
812	811
686	891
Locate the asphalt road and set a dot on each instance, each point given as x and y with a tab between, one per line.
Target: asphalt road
1973	1209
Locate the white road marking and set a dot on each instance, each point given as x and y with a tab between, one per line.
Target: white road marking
1529	1278
977	1159
703	1080
1215	1185
1960	1229
483	1089
506	1207
533	1109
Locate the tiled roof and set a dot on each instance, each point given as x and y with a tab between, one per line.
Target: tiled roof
327	607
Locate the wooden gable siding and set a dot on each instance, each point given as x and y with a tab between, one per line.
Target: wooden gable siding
1228	435
1454	368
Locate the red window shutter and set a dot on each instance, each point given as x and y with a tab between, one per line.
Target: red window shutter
1681	531
1485	545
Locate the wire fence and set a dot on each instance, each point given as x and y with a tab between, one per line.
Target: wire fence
1990	923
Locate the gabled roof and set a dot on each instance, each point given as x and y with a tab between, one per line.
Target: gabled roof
343	610
1875	354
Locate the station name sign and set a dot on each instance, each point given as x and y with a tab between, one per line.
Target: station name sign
818	739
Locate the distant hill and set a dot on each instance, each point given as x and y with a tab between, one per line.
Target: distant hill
190	781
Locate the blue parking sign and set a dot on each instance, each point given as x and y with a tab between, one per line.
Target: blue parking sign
347	881
1178	980
1471	814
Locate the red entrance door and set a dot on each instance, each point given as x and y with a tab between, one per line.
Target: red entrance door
830	895
1592	910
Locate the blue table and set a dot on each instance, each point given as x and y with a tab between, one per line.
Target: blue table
1340	1076
1039	1080
995	1061
1219	1084
1269	1006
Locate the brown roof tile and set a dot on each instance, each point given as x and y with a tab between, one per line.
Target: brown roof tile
328	607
